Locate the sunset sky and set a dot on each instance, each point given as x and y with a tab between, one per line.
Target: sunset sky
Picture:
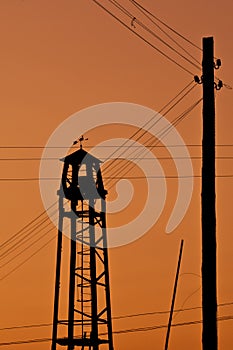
60	57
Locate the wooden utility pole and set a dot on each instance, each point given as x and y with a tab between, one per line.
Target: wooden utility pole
209	285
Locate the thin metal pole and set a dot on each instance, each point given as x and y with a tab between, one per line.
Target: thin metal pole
174	295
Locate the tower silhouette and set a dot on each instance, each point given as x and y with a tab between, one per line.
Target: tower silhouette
82	207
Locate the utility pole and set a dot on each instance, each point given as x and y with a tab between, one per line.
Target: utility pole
209	285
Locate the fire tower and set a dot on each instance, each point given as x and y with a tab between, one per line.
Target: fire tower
88	316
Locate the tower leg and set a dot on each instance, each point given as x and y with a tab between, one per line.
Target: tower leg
58	274
94	321
72	279
107	282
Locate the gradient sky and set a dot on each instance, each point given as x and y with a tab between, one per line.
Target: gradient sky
58	57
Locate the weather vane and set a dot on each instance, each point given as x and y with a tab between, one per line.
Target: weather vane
80	140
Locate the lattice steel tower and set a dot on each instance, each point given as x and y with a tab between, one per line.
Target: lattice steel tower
88	314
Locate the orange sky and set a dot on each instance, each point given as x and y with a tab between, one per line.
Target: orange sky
58	57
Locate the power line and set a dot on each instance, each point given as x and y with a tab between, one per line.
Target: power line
162	133
181	324
166	177
131	158
122	331
30	341
149	15
28	247
15	235
104	146
141	132
114	177
166	25
29	232
32	147
167	312
149	313
25	249
20	239
162	30
131	16
10	328
152	19
28	179
28	258
24	238
124	145
142	38
137	132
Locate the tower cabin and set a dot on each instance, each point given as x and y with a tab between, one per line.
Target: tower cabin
81	177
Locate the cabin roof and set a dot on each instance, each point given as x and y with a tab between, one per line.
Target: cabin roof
78	156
